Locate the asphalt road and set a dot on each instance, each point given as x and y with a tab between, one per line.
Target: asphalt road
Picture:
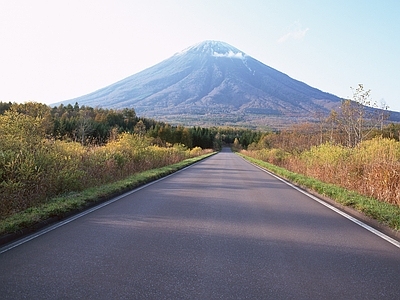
221	229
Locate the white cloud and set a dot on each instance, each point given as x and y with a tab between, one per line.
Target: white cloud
296	32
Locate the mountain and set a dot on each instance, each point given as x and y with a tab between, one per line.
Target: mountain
214	83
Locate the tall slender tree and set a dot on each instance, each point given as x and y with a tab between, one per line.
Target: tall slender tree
360	115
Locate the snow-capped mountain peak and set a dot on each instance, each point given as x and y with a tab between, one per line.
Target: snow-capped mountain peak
214	48
212	81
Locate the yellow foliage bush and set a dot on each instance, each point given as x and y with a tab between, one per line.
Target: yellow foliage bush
273	156
196	151
378	166
372	168
34	169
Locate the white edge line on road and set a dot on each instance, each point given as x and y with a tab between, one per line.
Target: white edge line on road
83	213
347	216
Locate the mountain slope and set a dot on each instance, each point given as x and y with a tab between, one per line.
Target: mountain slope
212	81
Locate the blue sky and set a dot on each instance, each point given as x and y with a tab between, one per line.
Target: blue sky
56	50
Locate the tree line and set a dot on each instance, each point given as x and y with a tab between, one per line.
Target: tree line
97	126
358	119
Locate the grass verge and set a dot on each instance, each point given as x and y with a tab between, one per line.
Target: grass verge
66	205
385	213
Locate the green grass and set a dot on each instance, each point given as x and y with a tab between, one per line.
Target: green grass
383	212
63	206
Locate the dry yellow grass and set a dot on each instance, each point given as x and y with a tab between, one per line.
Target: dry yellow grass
372	168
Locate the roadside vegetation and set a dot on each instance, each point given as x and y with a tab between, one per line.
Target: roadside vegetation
45	153
372	168
352	157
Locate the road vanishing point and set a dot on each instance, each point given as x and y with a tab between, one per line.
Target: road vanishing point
220	229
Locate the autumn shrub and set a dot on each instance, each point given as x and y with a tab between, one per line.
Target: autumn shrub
377	164
196	151
322	162
64	167
372	168
20	149
273	156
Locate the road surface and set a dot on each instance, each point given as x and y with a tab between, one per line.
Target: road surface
221	229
